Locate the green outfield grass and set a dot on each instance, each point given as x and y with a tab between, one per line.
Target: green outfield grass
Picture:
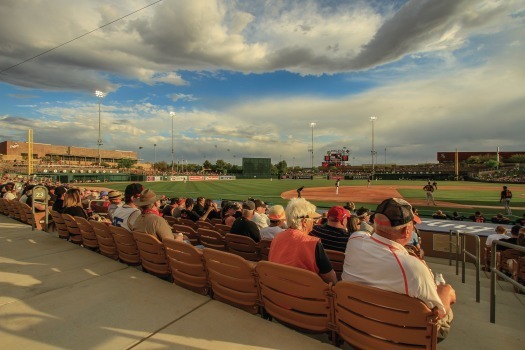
270	191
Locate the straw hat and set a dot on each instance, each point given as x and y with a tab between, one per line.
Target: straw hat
146	197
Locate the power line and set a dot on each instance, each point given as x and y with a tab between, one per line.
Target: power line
78	37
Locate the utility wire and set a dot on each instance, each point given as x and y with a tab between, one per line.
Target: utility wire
78	37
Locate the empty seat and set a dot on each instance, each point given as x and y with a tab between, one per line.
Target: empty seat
211	239
264	248
126	246
371	318
60	225
243	246
232	279
337	259
187	266
296	297
3	207
204	224
171	220
87	233
152	254
216	221
106	243
72	227
189	223
188	231
222	229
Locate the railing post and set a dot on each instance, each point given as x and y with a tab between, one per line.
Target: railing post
493	282
463	245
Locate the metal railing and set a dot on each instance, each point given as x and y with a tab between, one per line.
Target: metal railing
494	272
460	244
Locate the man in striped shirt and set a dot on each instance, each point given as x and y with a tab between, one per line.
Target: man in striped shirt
333	234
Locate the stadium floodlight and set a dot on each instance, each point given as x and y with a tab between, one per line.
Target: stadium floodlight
312	125
373	119
100	96
172	114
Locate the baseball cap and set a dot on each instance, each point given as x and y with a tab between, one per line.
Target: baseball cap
276	212
249	205
59	191
104	193
338	213
361	212
398	212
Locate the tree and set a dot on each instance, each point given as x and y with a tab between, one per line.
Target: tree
206	165
281	167
517	158
491	163
126	163
220	165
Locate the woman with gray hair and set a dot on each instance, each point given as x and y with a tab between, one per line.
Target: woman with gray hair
294	247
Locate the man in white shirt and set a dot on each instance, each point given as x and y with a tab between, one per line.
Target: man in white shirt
259	215
381	261
501	233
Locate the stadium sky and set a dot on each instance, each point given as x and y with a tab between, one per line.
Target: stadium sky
246	78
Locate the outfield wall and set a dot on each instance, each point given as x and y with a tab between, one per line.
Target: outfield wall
184	178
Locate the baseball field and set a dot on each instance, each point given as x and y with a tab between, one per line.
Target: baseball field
463	197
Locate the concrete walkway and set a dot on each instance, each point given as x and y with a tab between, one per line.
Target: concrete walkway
56	295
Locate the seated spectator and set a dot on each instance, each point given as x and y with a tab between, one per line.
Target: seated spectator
149	221
350	206
381	261
513	239
500	219
259	215
521	237
364	215
198	208
180	207
439	215
501	233
277	222
457	217
100	204
333	234
170	207
58	204
229	213
244	225
294	247
126	215
477	217
73	203
115	201
9	191
353	224
215	212
189	213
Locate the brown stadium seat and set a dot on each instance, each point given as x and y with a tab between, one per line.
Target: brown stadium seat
189	223
205	224
171	220
222	229
216	221
152	254
295	297
211	239
187	266
188	231
11	208
371	318
264	248
232	280
3	207
60	225
22	212
243	246
126	246
106	243
72	227
337	259
505	256
89	238
15	209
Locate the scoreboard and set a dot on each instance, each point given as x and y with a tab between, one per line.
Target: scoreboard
336	157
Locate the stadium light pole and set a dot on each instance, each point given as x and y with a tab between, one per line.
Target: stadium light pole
172	114
155	152
373	119
100	96
312	125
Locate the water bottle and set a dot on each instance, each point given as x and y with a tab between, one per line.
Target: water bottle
439	279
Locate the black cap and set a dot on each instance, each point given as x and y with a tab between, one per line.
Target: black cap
397	210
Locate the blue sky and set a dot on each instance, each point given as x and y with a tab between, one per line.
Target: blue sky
246	78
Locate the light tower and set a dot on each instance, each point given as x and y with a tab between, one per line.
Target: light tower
312	125
100	96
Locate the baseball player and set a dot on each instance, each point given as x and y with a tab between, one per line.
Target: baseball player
429	189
